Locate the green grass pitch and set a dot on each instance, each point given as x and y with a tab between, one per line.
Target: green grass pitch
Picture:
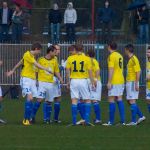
15	136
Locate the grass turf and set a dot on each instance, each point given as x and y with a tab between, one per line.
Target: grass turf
15	136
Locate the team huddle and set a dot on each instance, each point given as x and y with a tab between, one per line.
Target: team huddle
41	79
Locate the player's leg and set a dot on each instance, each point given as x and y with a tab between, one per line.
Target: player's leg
87	111
139	112
121	109
74	92
132	95
133	108
74	110
85	94
96	98
112	93
28	108
97	111
36	107
57	100
29	90
47	107
40	96
81	108
112	109
131	102
57	105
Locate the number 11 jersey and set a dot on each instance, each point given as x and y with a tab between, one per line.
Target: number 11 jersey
115	61
79	66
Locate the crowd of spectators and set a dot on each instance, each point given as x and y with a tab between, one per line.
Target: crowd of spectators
106	16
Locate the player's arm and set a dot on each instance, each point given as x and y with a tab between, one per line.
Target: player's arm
137	70
97	74
57	74
137	80
110	75
110	71
68	72
9	73
41	67
68	77
94	83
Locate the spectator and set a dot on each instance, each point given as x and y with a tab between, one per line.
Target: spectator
55	19
70	18
105	16
143	25
17	24
5	20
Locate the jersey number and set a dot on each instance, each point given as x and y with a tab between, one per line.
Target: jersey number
120	63
75	66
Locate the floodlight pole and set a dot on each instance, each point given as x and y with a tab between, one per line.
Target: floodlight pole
93	18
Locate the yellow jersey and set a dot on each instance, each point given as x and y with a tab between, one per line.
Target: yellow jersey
115	61
52	64
148	74
79	66
133	67
28	67
95	68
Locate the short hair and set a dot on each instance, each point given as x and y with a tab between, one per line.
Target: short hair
79	47
148	47
36	45
71	48
91	53
112	45
130	48
50	49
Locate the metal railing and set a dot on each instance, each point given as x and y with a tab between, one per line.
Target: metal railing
12	53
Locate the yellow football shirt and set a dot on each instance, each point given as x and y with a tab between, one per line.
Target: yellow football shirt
148	74
115	61
79	66
133	67
52	64
28	67
95	68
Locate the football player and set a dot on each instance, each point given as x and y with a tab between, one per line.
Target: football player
132	85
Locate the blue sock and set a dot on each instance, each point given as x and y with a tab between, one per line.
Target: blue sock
44	111
35	108
121	111
28	109
97	111
112	109
81	109
139	113
148	107
48	111
133	112
87	112
56	110
74	114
